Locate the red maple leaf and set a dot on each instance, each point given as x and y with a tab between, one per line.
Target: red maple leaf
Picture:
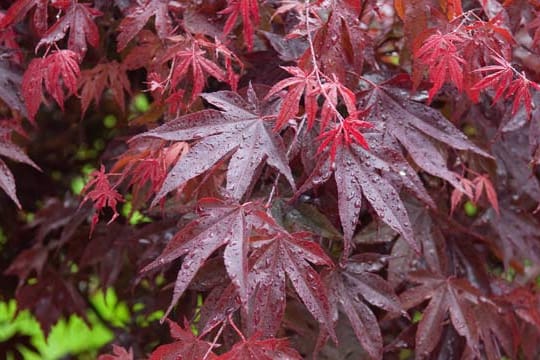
93	82
350	288
448	296
340	44
507	81
249	11
18	10
345	133
119	353
192	57
261	349
241	129
13	152
102	194
219	224
301	83
440	54
418	128
79	20
138	15
49	70
186	346
280	256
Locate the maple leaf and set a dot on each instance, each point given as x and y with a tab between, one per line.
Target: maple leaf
29	261
356	179
249	10
341	43
193	57
467	188
52	297
13	152
241	129
418	128
219	223
138	15
451	296
147	164
59	64
186	346
345	133
7	183
10	87
497	331
119	353
351	286
483	184
79	20
272	260
501	78
276	255
535	24
301	83
263	349
102	194
93	82
18	10
440	54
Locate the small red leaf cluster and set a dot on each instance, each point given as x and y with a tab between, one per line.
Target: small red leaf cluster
275	179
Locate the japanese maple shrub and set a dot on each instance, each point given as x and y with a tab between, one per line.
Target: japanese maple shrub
333	179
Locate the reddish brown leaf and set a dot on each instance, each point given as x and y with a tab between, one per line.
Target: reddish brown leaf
138	15
448	297
355	180
219	224
186	346
349	288
119	353
50	299
79	20
106	76
416	126
256	348
241	129
286	255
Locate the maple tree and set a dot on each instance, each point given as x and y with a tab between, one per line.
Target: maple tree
275	179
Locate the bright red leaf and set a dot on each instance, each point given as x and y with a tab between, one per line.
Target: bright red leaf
440	54
249	11
61	64
102	194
